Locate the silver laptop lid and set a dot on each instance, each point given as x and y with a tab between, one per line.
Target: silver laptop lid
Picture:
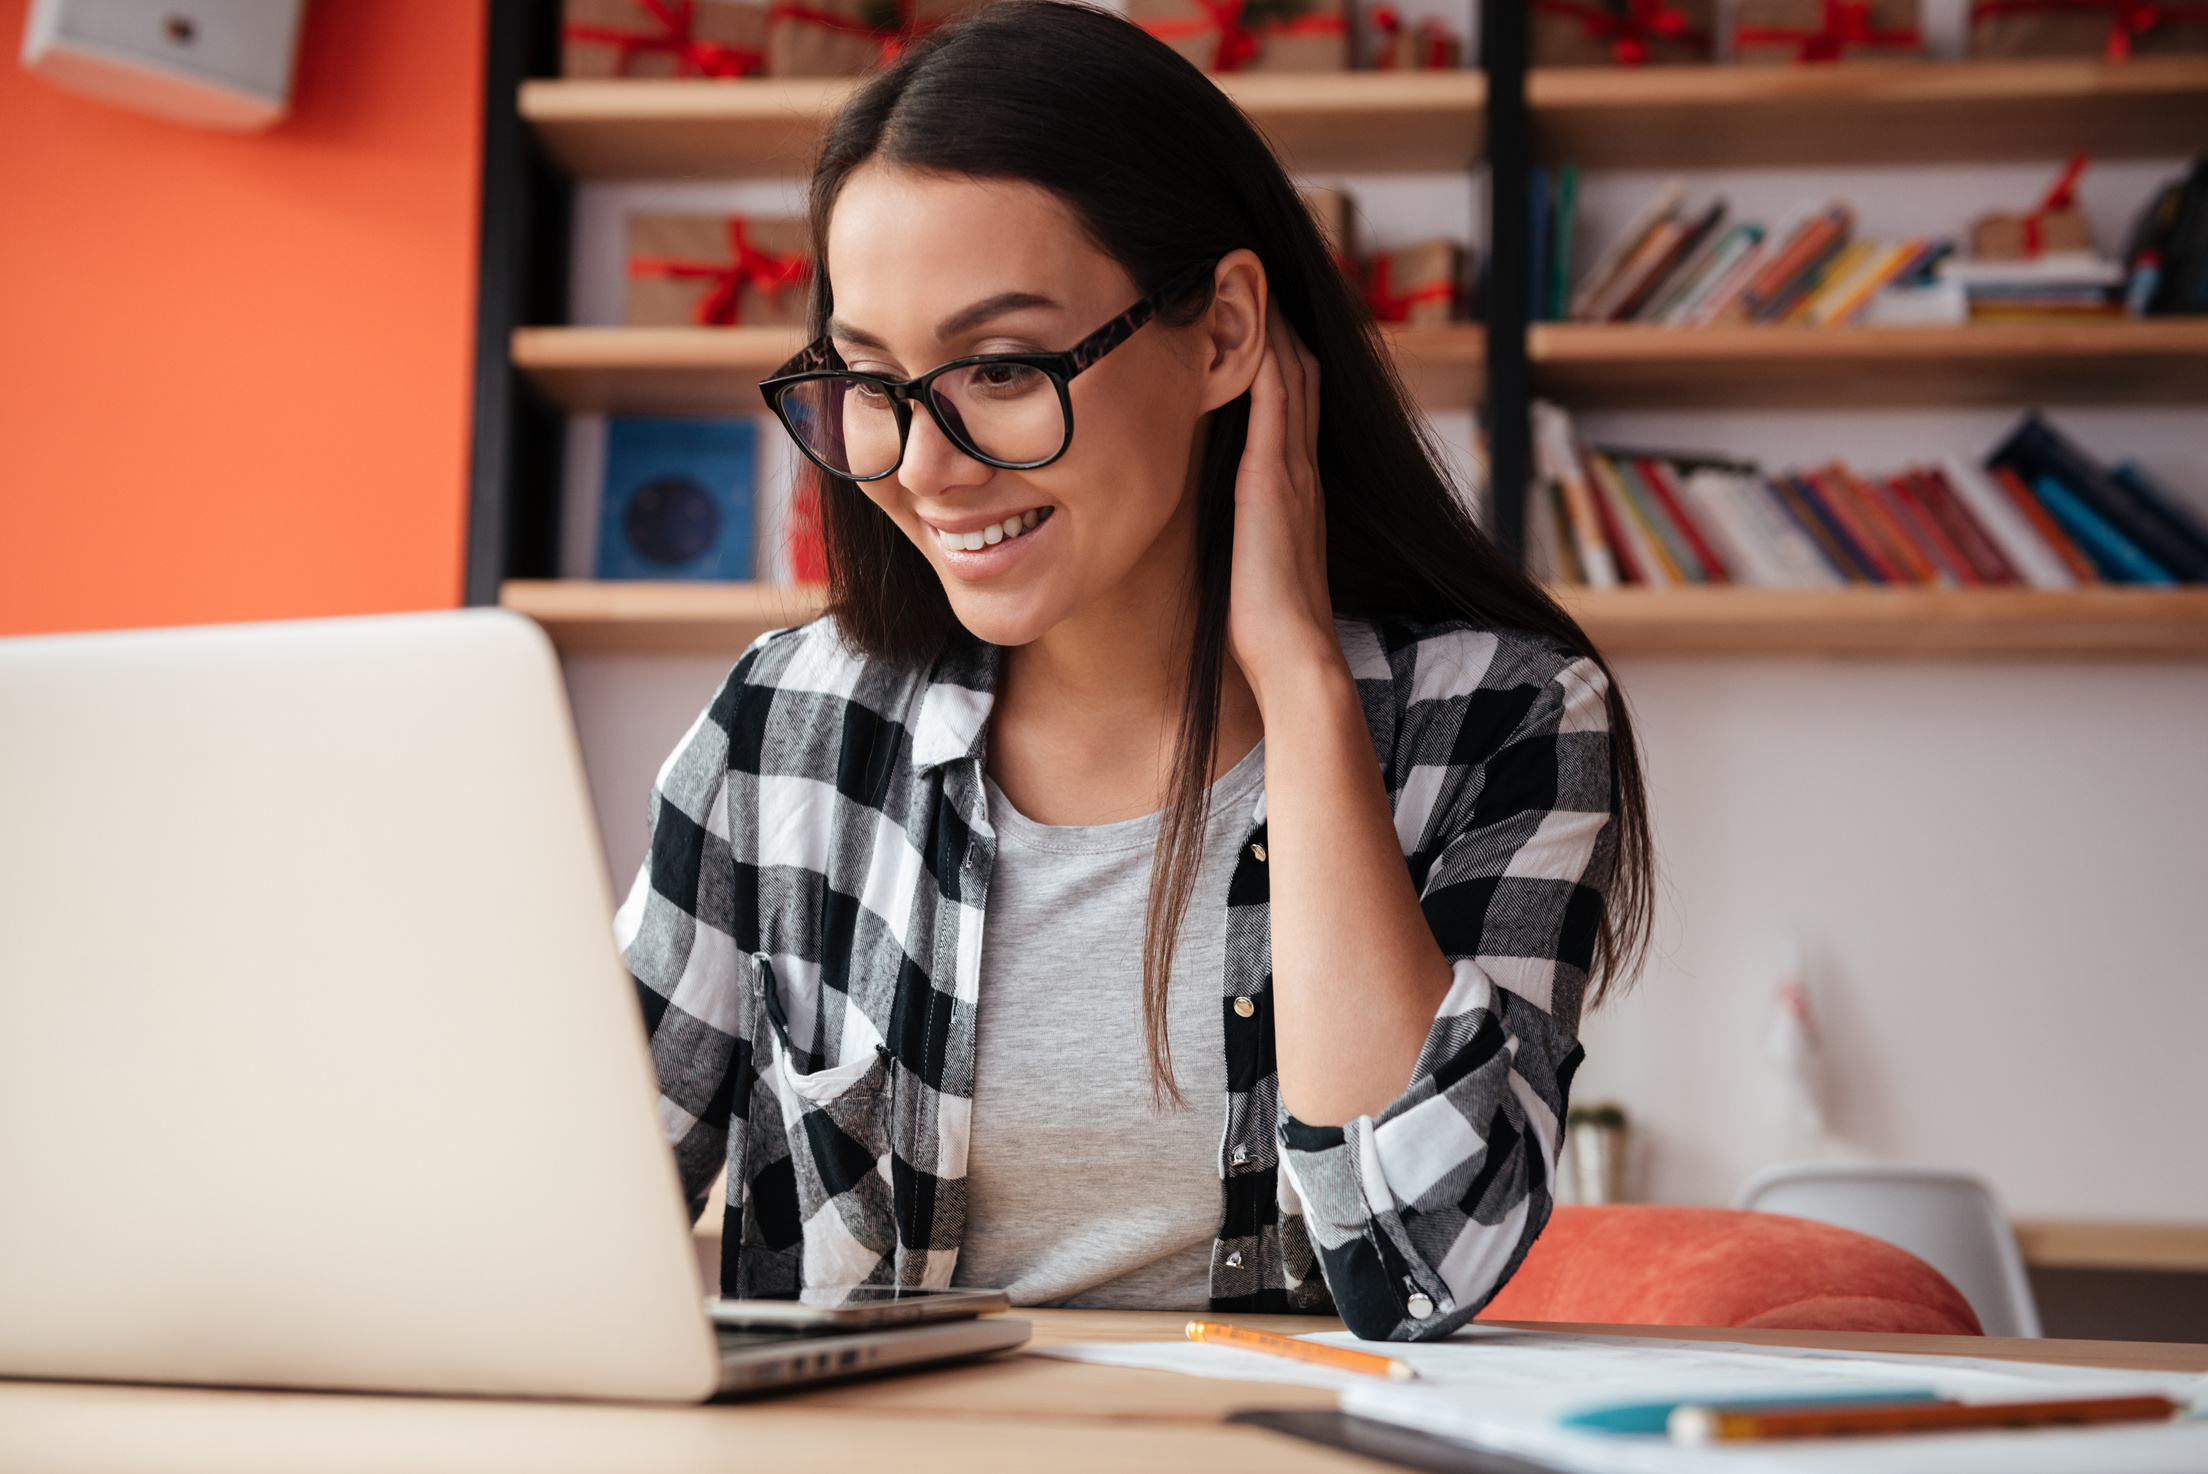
317	1067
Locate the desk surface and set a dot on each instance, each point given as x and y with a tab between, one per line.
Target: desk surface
1011	1412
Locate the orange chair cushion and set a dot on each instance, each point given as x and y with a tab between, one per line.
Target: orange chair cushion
1634	1264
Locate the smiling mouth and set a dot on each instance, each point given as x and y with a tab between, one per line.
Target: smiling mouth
996	532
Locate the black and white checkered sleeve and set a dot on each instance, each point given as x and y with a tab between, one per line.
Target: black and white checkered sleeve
1500	776
677	934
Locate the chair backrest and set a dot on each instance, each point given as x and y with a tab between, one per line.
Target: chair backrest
1950	1220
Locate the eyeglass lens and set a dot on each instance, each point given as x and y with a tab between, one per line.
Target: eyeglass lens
1009	412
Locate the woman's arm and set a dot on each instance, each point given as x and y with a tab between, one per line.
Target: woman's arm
1357	975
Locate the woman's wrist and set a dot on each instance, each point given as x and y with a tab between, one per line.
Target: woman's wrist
1293	683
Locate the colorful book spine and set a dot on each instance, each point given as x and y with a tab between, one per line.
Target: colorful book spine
2037	451
1987	557
1664	487
2082	569
1910	561
1794	494
2120	560
1900	496
2021	548
1631	541
1556	459
1840	509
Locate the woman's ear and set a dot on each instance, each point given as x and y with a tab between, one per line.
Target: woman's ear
1234	327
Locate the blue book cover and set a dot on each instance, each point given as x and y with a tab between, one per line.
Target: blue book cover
2112	553
678	498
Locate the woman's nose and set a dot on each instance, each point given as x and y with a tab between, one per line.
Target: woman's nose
933	465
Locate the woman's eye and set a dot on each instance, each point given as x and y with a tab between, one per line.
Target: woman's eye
1002	378
871	395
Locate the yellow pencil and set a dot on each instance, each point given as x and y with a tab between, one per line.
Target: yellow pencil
1364	1363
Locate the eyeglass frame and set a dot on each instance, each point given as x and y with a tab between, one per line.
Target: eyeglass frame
819	360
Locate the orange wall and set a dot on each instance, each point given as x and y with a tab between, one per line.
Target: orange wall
234	370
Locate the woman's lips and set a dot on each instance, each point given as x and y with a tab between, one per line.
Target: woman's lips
973	556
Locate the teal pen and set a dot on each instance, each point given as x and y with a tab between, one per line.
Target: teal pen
1651	1417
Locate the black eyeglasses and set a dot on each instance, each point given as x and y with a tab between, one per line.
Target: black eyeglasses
1008	410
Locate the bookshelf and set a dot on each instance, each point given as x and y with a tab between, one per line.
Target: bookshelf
717	370
1867	113
543	133
586	618
1600	366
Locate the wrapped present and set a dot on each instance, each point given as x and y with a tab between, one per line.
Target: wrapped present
662	38
1427	46
2055	227
1421	285
717	271
1250	35
1786	31
2114	29
847	38
1597	33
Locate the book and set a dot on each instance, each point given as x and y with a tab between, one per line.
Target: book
1912	562
1560	242
1692	270
1657	476
2176	519
677	498
1829	493
2036	450
1657	247
1732	248
1556	460
2119	560
1690	237
1636	551
1799	499
1707	497
1838	272
1789	270
2082	569
1719	297
1996	518
1537	263
1670	544
1661	206
1970	542
1943	563
1766	516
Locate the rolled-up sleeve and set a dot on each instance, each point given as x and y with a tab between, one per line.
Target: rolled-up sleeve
1421	1213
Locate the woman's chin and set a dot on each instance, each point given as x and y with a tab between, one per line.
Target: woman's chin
1003	617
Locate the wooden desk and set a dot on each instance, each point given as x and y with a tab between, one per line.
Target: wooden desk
1012	1412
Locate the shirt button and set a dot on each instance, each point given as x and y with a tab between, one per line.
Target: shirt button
1259	851
1243	1007
1418	1305
1234	1260
1241	1155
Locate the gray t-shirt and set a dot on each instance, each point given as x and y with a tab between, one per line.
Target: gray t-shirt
1078	1191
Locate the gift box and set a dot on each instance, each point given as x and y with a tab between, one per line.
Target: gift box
662	38
1600	33
1421	285
1427	46
2055	227
717	271
848	38
1767	32
1250	35
2114	29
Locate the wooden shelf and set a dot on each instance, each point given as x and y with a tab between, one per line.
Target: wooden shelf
1322	123
2086	624
1865	113
2176	1247
645	618
699	371
1590	366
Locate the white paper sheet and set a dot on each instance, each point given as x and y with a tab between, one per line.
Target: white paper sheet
1506	1389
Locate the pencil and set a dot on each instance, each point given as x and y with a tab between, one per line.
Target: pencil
1362	1362
1690	1424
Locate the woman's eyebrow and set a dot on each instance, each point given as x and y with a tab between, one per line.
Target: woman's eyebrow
973	317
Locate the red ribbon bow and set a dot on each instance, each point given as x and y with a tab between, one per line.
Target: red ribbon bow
2061	195
1629	31
1845	23
1430	41
2126	18
675	19
1238	44
1387	306
723	306
891	40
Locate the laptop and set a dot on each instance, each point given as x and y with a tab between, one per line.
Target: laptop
317	1066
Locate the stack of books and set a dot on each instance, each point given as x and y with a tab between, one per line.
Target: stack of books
2058	287
1683	267
2037	513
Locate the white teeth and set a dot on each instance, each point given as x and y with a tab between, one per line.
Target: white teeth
1028	520
992	534
1011	527
974	542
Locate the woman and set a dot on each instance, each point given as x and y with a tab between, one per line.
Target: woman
1042	916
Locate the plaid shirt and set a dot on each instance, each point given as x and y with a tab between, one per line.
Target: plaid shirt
806	939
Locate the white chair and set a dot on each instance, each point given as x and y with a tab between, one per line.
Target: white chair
1948	1219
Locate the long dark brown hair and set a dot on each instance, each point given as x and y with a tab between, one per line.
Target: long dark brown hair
1164	172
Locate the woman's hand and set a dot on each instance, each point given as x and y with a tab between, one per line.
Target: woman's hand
1280	620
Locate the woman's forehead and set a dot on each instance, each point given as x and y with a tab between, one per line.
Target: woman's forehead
935	241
